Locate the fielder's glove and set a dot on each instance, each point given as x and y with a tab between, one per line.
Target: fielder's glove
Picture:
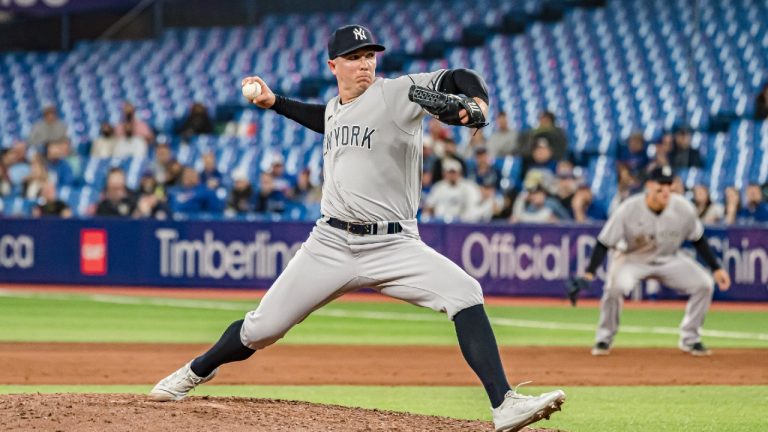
574	286
446	107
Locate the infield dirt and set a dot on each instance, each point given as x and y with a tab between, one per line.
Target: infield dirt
124	363
91	363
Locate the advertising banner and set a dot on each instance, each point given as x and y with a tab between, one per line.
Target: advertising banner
518	260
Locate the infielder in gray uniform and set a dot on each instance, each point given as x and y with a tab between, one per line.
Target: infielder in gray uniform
647	231
368	236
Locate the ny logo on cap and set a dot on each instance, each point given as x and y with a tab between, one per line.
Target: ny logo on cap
359	34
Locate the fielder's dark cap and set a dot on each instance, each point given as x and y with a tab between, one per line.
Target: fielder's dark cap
349	38
662	174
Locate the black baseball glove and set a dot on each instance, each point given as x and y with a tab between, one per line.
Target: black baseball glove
446	107
574	286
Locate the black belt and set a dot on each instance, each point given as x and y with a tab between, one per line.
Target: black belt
363	228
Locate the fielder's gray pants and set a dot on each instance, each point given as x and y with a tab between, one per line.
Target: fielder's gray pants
680	273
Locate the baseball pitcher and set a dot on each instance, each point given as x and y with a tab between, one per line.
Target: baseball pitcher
647	231
368	236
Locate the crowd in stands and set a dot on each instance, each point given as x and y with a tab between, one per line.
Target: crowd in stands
461	181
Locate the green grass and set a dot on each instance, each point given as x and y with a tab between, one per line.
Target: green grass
80	318
696	408
83	318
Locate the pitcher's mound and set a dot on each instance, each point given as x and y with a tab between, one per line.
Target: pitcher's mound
126	412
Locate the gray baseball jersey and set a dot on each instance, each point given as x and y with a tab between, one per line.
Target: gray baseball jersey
647	236
648	246
372	152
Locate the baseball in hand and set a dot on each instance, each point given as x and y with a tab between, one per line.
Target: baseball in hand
251	90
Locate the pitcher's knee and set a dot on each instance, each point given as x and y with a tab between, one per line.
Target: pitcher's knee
471	295
257	333
613	291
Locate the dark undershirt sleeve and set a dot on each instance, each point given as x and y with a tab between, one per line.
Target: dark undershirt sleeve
464	81
598	255
702	247
307	115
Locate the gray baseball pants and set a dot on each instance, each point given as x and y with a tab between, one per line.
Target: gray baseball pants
680	273
333	262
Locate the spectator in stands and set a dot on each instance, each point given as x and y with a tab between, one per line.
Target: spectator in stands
130	144
503	141
241	197
532	207
49	204
662	153
270	198
584	206
16	164
59	170
192	197
280	179
151	201
210	177
50	128
709	212
489	205
526	207
482	170
37	177
566	185
198	122
138	126
103	146
117	200
508	198
761	104
304	192
449	153
173	173
437	137
148	184
542	158
554	135
635	155
677	185
732	204
683	155
453	197
73	158
163	159
476	141
628	185
755	209
6	187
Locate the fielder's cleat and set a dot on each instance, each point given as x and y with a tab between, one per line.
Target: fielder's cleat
601	349
696	349
177	385
518	411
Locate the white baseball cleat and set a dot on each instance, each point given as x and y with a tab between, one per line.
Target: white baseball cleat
518	411
601	349
696	349
177	385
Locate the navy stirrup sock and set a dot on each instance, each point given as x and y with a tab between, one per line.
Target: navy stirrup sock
228	349
478	345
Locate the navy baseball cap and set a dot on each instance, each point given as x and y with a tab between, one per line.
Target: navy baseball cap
662	174
349	38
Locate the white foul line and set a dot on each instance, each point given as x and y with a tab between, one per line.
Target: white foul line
372	315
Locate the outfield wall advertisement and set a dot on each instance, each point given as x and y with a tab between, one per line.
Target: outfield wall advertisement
507	259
